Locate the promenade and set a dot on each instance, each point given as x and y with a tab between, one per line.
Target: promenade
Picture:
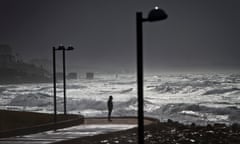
91	126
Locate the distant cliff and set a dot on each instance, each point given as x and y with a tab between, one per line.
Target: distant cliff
24	73
14	70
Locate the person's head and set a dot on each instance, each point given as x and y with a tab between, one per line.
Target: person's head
110	97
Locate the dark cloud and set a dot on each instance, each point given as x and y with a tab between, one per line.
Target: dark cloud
197	34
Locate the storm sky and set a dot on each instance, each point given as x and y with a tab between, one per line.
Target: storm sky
198	34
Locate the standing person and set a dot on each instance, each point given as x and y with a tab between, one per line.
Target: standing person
110	107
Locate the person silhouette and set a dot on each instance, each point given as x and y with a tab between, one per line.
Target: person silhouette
110	107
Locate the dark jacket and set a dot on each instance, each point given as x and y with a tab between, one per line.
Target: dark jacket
110	104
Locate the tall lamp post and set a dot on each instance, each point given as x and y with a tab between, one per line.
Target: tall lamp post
155	15
54	49
64	75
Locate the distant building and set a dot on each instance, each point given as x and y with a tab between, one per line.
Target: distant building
89	75
6	56
72	75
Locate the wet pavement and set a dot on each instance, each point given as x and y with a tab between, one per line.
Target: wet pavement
87	129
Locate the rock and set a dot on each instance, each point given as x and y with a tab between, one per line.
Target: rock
104	141
219	125
192	140
235	127
193	125
170	121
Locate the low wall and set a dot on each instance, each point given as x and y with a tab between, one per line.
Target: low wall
15	123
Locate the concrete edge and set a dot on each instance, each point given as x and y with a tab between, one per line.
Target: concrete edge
154	120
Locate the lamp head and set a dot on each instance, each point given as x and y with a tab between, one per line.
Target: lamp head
70	48
156	14
61	47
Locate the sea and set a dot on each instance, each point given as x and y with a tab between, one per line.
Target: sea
201	98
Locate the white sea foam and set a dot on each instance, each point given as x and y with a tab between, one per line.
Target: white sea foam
200	98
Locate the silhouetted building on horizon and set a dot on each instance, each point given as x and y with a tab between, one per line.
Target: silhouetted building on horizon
89	75
72	75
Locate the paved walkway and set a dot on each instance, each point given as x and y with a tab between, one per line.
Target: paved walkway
92	126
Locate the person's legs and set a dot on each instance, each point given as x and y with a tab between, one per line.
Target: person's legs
109	114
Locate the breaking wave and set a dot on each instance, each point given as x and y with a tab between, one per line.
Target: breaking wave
220	91
39	99
124	83
186	98
183	112
188	113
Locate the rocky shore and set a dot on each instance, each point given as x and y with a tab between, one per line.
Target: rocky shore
169	133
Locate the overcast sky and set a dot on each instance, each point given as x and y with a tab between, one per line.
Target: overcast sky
197	34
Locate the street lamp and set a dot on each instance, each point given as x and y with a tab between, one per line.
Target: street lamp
64	75
155	14
54	49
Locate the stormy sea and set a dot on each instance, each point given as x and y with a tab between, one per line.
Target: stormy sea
200	98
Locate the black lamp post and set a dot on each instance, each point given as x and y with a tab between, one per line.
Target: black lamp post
54	79
155	15
54	83
64	75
